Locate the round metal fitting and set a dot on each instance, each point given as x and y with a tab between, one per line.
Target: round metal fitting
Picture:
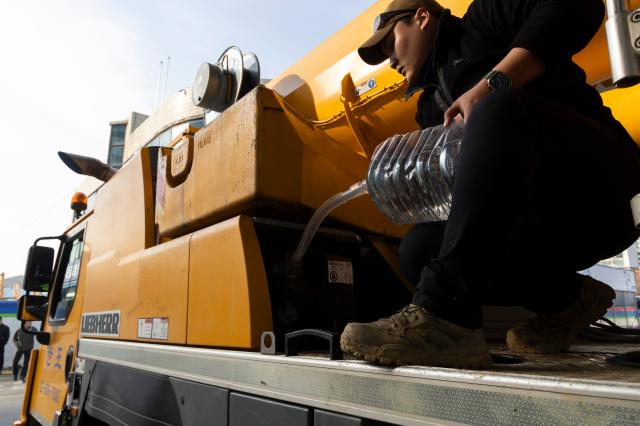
637	43
635	17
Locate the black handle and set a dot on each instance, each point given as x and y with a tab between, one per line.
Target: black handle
292	341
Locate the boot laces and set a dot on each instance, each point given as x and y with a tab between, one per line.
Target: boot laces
403	315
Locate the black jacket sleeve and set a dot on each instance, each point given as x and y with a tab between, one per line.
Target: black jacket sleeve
4	335
552	29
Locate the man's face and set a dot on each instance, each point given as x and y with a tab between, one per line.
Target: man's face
409	44
27	324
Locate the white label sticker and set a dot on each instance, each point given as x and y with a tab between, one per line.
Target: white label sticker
340	271
145	326
80	363
160	328
153	328
363	88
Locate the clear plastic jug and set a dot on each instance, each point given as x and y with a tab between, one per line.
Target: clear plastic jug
410	177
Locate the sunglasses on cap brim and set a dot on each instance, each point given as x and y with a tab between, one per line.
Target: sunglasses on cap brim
386	18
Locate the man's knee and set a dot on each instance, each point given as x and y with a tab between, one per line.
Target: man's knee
497	129
497	109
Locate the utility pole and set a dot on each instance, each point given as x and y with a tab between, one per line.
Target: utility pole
166	77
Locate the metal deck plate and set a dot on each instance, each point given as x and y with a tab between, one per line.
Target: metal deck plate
405	395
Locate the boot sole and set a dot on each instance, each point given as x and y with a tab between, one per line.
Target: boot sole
458	359
515	344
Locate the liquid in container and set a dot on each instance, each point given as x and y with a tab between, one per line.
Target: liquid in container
410	177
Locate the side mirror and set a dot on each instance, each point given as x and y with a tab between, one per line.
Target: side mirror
39	271
32	308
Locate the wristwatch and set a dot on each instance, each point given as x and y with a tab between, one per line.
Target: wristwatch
497	81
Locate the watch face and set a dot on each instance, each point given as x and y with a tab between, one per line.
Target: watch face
499	82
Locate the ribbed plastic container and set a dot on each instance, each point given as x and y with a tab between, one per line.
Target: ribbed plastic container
410	178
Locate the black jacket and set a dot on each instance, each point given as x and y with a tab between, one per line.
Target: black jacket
4	335
22	340
466	49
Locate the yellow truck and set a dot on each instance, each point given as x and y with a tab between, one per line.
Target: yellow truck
171	301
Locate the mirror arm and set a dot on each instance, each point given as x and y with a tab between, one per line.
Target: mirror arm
59	237
43	337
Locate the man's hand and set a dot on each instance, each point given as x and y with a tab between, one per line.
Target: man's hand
521	65
465	103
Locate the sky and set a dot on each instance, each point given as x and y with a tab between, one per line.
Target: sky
68	68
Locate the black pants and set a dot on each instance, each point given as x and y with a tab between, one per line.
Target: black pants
1	358
540	193
25	365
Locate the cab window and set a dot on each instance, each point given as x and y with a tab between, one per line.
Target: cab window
67	279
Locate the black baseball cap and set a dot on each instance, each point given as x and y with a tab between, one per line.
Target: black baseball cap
371	50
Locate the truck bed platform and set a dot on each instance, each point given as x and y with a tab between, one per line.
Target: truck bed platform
577	387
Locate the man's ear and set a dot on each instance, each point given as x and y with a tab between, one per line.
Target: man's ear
423	17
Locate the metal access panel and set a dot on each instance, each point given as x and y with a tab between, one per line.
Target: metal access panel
136	397
327	418
245	410
201	404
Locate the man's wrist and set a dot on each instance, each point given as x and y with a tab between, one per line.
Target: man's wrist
482	89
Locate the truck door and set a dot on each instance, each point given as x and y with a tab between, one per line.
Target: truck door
62	323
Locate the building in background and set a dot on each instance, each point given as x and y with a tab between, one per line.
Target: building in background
161	127
11	292
116	143
626	259
138	130
11	287
622	274
624	311
8	309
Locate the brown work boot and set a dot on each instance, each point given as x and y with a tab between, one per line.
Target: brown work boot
552	333
414	336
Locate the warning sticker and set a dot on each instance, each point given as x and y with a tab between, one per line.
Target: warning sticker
363	88
160	328
340	271
153	328
145	326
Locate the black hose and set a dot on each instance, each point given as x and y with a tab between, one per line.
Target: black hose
628	359
612	333
614	328
596	335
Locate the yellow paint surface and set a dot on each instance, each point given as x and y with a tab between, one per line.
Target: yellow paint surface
313	87
121	228
261	158
164	285
625	105
229	303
